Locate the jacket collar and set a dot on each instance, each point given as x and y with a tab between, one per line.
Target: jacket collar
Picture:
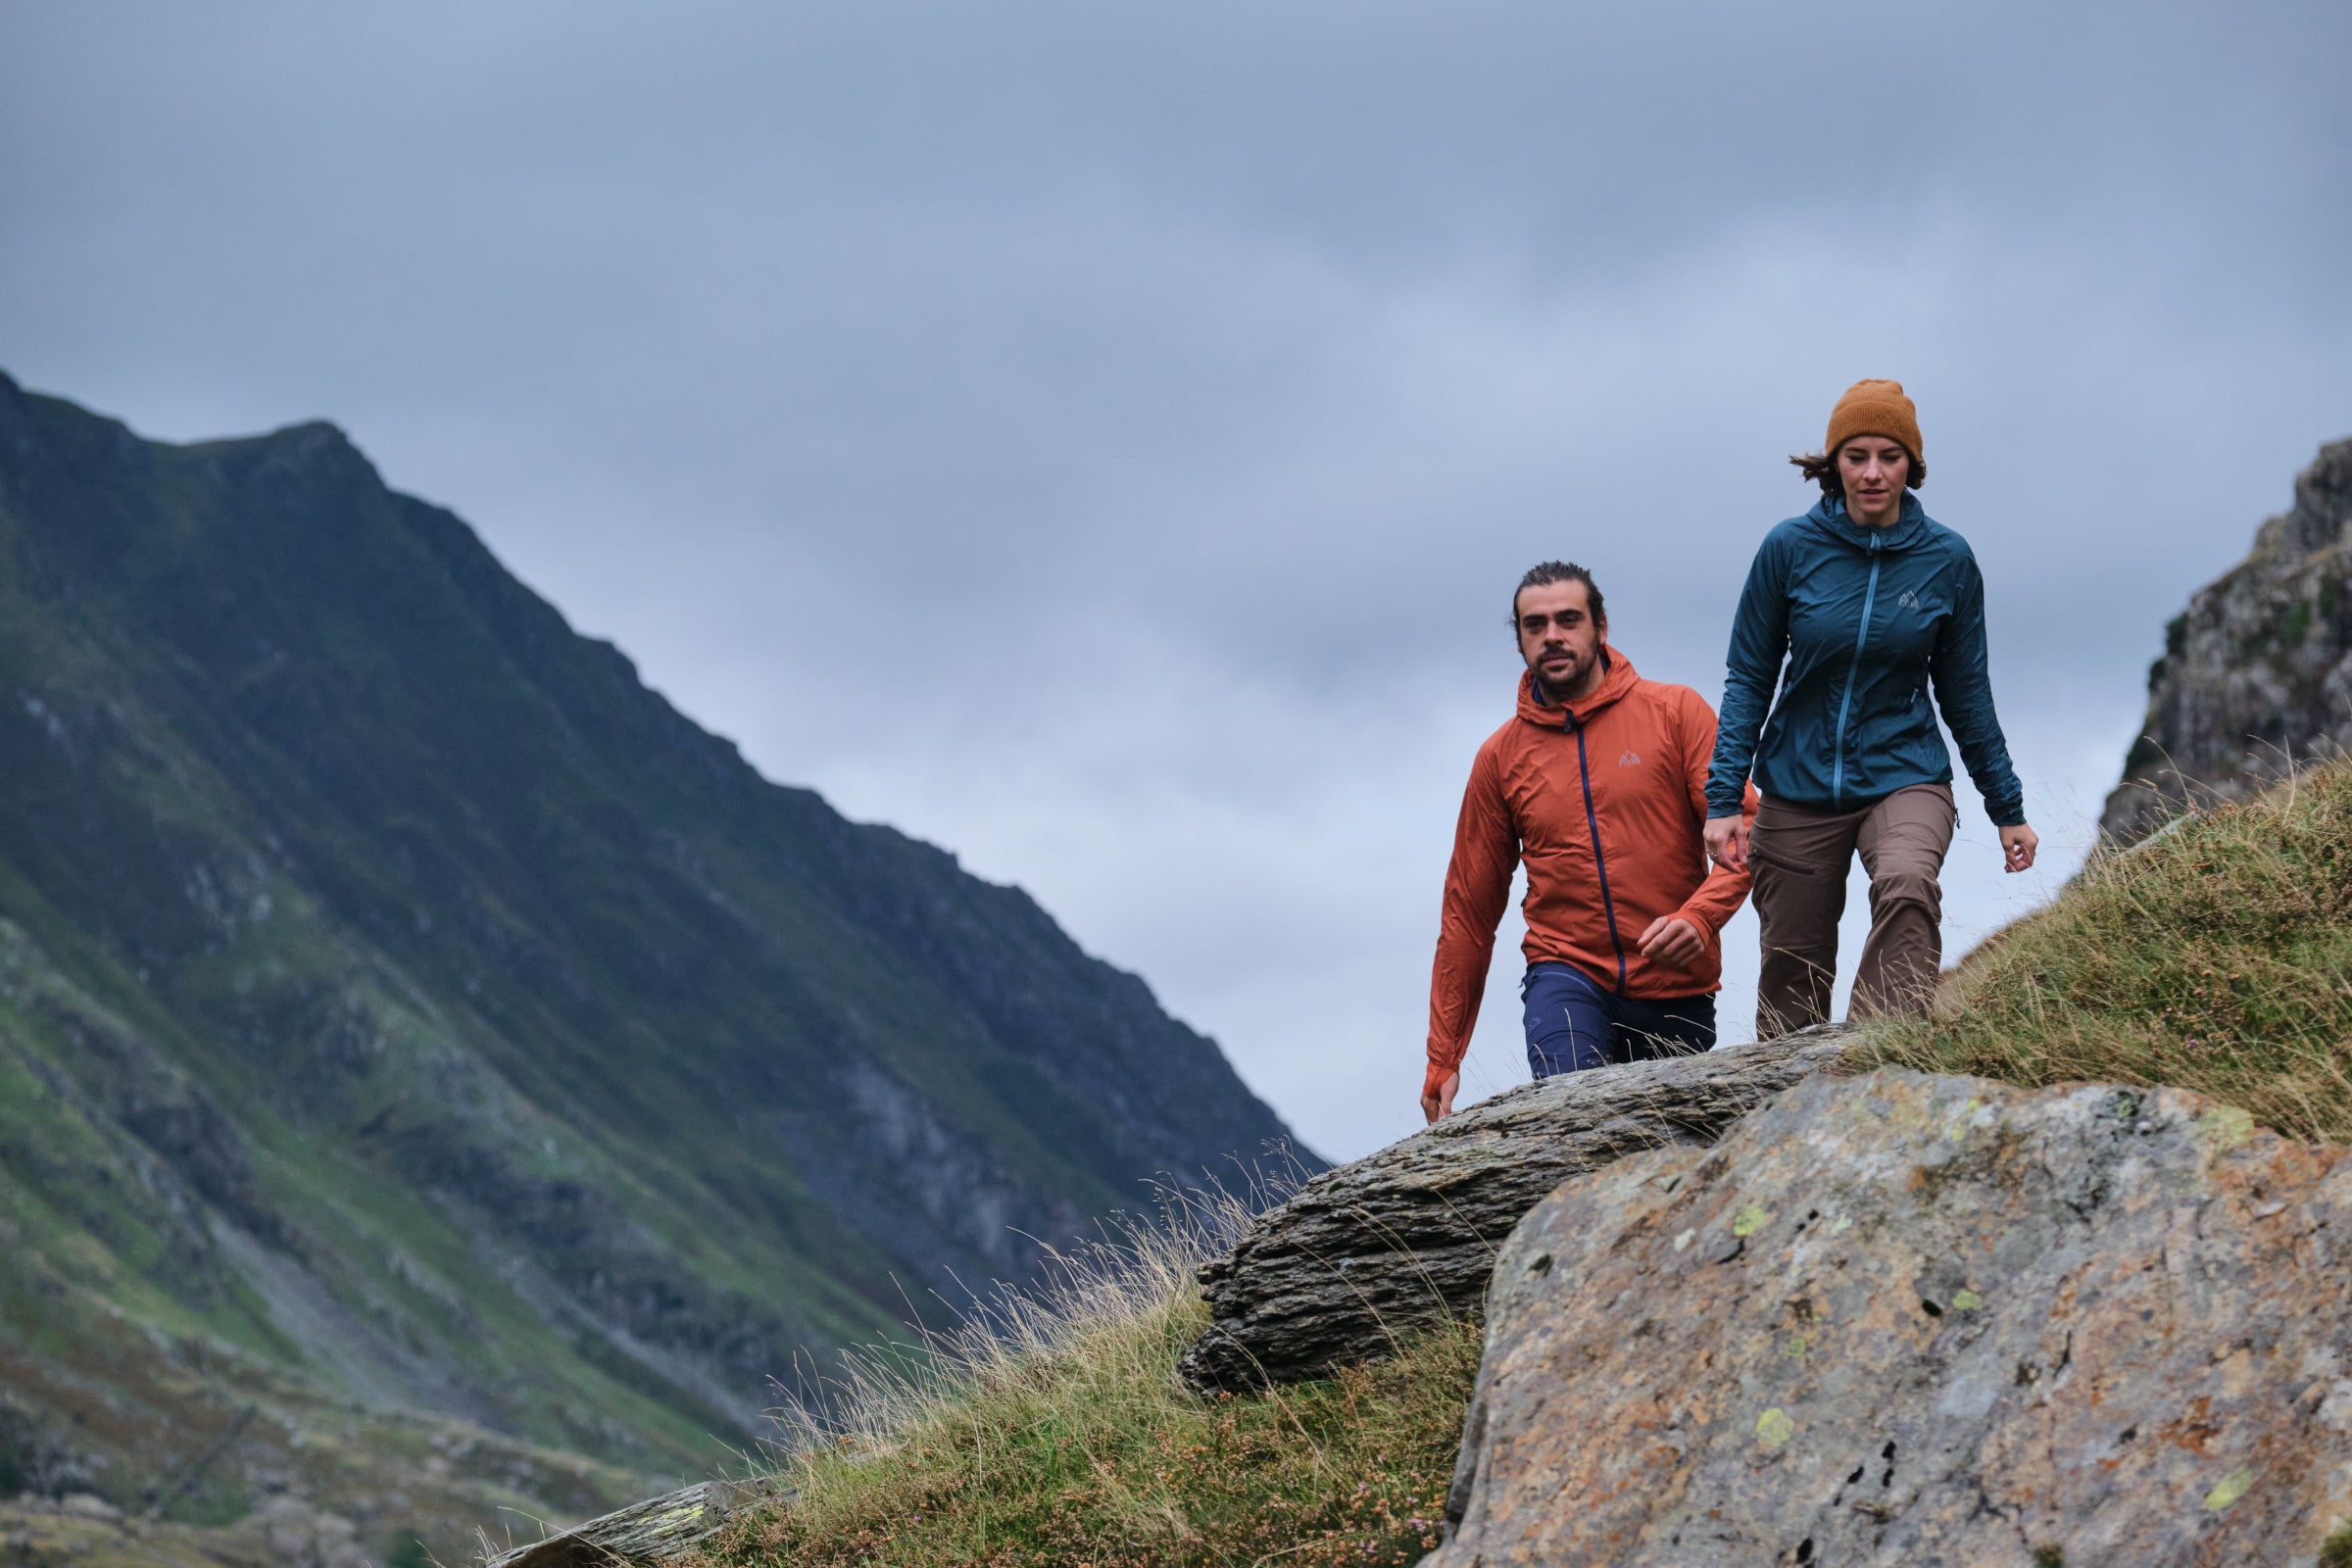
1909	527
1617	677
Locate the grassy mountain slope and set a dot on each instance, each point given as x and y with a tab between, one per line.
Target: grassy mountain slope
1063	1435
399	999
2218	958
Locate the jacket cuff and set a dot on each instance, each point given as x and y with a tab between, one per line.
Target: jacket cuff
1435	1079
2009	813
1704	921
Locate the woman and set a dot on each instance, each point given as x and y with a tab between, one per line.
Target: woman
1873	603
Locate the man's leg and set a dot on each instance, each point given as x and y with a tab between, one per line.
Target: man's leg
1568	1027
1904	839
1677	1027
1800	860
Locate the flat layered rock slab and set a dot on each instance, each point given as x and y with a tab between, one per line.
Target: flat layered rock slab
1914	1319
645	1533
1362	1253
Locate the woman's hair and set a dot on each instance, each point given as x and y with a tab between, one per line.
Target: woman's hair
1822	468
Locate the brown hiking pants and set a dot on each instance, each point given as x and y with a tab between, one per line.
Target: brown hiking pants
1799	857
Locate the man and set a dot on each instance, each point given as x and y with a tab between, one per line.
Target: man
1599	784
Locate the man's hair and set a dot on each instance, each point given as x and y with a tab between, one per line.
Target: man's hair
1546	574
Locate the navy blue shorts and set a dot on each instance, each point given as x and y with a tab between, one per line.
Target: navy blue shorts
1575	1022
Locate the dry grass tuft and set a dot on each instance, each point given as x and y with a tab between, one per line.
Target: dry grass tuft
2217	958
1054	1432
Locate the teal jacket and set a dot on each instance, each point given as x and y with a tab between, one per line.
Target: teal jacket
1867	621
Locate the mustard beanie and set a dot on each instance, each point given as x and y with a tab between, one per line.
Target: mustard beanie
1876	408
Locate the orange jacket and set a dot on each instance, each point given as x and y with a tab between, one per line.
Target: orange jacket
1605	803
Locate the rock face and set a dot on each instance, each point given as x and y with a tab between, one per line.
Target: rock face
1914	1319
1366	1250
2259	667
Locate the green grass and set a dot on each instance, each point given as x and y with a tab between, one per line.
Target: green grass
2216	956
1058	1435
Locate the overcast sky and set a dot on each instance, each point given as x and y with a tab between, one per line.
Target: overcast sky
1102	438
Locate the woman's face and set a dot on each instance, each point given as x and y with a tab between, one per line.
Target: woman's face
1874	468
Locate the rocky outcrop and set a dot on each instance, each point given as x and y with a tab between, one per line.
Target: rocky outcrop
1364	1252
1914	1319
2258	671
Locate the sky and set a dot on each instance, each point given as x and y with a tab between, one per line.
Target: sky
1102	438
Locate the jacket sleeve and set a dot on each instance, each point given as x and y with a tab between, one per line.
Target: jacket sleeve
1720	896
1752	673
1963	683
1478	883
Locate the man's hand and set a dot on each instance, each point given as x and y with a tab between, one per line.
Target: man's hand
1672	942
1439	1102
1726	842
2018	845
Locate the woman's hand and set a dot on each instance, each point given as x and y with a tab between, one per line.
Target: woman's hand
2018	845
1726	842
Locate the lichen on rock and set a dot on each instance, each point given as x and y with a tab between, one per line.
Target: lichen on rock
2088	1324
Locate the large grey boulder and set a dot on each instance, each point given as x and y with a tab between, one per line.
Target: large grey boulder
1918	1319
1364	1253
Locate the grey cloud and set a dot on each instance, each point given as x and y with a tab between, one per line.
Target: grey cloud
1101	438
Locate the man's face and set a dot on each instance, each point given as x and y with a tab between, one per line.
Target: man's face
1559	637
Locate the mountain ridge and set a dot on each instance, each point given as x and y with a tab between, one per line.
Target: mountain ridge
401	993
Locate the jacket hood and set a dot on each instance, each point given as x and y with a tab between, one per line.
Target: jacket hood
1616	680
1831	520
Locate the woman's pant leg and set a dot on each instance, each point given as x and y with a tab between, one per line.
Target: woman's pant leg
1903	841
1799	861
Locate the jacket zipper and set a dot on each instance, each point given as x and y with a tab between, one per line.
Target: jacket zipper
1600	864
1870	597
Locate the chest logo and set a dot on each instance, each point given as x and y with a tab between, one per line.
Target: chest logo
1909	599
1629	760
